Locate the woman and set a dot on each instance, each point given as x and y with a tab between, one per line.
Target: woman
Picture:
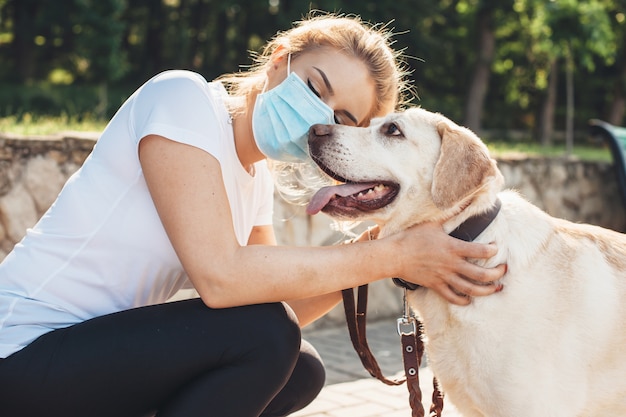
177	193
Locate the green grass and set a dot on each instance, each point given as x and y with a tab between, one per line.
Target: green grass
584	152
28	125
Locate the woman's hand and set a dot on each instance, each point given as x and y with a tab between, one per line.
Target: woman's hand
439	261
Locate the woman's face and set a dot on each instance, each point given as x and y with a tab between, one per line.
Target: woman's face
341	81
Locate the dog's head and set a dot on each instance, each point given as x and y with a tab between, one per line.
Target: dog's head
404	169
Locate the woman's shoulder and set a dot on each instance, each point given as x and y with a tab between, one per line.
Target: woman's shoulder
177	82
178	74
182	106
179	91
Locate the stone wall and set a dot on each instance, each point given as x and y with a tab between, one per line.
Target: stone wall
33	170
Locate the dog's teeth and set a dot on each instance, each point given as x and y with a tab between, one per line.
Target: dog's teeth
371	192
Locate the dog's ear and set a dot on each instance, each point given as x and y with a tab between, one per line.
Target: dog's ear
462	167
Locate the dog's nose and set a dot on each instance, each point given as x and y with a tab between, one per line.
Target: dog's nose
318	131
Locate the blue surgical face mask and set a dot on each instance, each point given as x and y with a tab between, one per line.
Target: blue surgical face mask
283	115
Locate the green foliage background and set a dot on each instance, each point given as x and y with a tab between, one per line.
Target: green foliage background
84	57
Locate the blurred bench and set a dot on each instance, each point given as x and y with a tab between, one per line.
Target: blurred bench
615	137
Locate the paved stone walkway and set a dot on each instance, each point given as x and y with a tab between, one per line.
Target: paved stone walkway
350	391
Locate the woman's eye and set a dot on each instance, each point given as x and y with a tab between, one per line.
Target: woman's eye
337	120
308	82
393	130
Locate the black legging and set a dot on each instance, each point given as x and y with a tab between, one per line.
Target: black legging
179	359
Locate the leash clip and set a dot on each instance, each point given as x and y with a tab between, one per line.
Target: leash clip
407	325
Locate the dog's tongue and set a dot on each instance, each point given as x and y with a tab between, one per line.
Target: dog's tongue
323	196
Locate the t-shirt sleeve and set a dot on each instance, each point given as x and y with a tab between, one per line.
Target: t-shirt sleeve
177	105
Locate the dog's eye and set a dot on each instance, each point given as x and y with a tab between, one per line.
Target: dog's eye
392	129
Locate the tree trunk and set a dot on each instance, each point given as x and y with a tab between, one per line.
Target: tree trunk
546	118
103	100
618	103
153	52
479	84
618	108
24	31
198	23
569	118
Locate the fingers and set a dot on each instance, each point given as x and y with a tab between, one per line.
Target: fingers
475	250
479	274
464	287
452	296
460	289
371	233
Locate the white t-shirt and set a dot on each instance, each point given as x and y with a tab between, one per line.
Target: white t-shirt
101	247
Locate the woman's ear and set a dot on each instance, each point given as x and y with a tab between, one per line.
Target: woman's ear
277	60
463	166
279	54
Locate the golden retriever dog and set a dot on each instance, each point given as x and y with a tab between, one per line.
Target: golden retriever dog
552	342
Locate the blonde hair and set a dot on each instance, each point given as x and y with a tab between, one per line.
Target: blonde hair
349	34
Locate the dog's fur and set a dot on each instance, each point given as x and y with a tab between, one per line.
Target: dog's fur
549	344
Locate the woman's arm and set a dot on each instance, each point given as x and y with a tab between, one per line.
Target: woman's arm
187	189
307	309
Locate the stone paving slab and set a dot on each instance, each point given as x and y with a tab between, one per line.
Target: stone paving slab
350	391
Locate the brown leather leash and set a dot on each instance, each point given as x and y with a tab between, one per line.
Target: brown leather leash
410	331
409	326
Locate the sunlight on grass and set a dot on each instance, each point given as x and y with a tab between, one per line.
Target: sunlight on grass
28	125
583	152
